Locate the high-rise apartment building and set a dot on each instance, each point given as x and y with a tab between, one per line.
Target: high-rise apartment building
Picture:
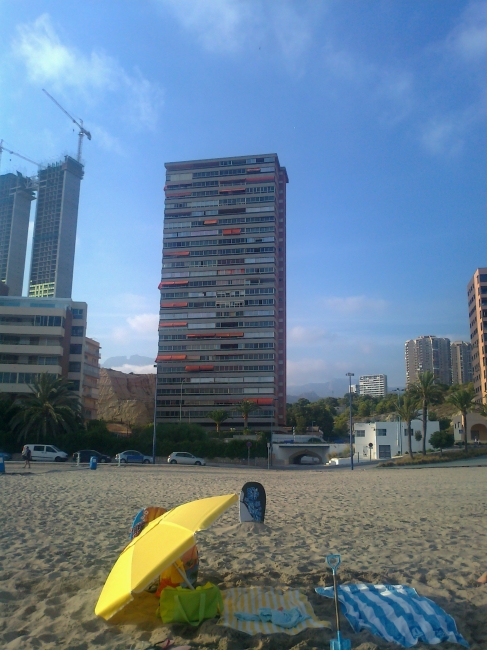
51	273
428	353
375	385
477	314
38	336
461	362
15	199
222	330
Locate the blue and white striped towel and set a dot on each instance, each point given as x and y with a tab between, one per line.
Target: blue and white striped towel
396	613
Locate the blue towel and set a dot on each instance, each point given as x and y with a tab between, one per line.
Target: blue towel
396	613
283	618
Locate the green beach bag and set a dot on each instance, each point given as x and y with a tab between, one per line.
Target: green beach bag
192	606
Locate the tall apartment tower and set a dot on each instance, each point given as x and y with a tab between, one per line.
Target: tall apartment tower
428	353
375	385
222	330
15	198
51	273
461	362
477	314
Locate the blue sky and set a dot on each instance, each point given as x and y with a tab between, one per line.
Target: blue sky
376	108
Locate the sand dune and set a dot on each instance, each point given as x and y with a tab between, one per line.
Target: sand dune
63	528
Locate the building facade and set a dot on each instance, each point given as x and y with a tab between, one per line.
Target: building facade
90	392
461	363
389	439
477	315
375	385
222	330
16	195
38	336
428	353
53	247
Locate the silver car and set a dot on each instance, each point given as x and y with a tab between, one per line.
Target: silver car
183	458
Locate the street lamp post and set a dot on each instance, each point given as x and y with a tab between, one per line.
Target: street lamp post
181	400
155	422
350	375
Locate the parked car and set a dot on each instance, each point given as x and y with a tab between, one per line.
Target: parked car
132	456
309	460
46	453
183	458
86	454
5	455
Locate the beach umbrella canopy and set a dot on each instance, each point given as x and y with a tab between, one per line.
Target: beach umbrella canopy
157	547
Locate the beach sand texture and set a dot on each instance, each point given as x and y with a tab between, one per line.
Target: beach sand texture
62	530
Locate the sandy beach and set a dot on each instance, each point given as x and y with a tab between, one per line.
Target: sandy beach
62	530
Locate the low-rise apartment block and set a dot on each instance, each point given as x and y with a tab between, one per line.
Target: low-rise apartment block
389	439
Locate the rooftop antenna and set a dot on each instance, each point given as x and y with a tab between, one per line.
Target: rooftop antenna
82	130
14	153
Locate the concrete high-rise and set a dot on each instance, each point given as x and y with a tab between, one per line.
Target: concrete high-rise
477	314
461	362
375	385
16	195
222	330
51	273
428	353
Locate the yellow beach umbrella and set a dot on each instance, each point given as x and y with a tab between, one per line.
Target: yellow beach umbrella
159	545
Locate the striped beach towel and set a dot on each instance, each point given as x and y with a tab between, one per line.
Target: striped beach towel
251	599
396	613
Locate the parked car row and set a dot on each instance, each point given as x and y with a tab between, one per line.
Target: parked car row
52	453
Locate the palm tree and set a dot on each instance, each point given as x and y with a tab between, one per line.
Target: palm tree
408	411
218	417
51	409
463	399
427	390
246	407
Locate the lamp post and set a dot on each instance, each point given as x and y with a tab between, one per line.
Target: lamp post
181	400
350	375
399	436
155	421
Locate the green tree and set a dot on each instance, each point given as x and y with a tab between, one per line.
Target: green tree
441	440
218	417
51	410
463	399
246	407
408	411
428	391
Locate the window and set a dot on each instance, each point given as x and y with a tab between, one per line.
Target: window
382	432
74	366
47	361
74	384
77	314
360	433
76	348
77	330
8	377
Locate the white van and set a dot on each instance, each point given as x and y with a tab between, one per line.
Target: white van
46	453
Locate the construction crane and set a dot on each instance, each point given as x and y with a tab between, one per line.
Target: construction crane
2	148
82	130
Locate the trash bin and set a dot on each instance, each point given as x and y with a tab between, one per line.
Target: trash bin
93	462
2	465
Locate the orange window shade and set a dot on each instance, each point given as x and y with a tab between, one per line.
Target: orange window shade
174	304
176	253
253	169
171	357
171	283
263	400
181	324
198	368
232	189
224	335
200	336
232	231
207	222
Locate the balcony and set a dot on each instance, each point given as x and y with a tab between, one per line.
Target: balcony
92	371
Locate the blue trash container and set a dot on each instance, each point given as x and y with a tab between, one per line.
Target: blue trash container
2	465
93	462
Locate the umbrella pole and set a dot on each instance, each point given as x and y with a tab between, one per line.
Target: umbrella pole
183	576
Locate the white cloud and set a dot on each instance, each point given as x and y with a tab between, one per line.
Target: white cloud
144	323
443	136
469	39
63	68
105	140
355	304
138	370
307	335
307	371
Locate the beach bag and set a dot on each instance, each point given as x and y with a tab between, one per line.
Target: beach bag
192	606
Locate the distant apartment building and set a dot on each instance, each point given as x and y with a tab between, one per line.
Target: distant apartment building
16	195
374	385
477	314
428	353
40	335
53	247
461	362
222	330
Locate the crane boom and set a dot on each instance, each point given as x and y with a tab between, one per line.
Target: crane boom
2	148
82	130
